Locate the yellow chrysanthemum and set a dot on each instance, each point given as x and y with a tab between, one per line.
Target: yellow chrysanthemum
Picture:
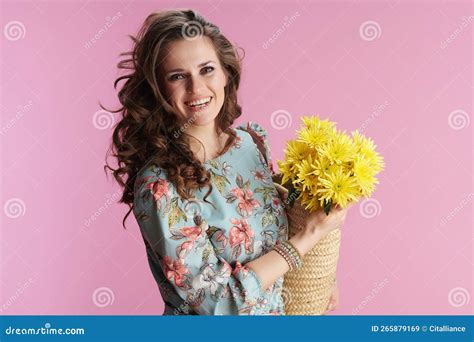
339	149
364	175
315	121
296	152
324	164
374	159
339	187
285	169
307	174
309	202
316	132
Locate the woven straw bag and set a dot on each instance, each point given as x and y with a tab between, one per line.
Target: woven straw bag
307	290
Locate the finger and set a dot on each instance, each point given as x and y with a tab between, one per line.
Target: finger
281	190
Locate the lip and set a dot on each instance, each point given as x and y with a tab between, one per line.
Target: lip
199	109
197	99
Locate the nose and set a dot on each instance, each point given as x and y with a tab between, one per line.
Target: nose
194	85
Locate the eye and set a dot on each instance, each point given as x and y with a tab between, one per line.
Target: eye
207	68
175	77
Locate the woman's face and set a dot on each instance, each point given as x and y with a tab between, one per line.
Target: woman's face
192	72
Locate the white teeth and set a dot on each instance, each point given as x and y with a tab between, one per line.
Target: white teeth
199	102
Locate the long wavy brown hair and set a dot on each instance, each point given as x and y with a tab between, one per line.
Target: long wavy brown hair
147	131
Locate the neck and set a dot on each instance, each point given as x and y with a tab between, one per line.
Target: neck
208	137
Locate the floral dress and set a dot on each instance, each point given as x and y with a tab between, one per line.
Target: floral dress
197	251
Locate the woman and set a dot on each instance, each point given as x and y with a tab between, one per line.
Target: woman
211	218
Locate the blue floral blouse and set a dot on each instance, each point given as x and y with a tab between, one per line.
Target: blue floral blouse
197	253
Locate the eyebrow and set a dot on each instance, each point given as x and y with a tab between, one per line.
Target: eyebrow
199	66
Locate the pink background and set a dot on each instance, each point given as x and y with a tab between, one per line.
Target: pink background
407	84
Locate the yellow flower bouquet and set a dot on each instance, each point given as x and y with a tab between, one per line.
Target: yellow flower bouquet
322	167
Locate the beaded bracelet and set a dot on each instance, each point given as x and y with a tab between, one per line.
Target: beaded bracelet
290	257
297	256
285	256
290	254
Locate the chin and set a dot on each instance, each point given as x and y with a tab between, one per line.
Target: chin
205	119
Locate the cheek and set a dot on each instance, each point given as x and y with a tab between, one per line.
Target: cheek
218	85
174	95
221	82
171	92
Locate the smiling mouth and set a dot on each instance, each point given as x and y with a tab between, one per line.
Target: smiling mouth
197	106
200	103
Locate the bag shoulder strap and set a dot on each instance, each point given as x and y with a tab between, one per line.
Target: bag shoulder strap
258	140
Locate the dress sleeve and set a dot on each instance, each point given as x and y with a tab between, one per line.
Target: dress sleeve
260	137
178	241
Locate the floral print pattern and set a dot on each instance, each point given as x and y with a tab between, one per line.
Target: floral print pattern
198	257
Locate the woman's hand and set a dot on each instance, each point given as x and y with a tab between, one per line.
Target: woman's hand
333	299
282	191
318	224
